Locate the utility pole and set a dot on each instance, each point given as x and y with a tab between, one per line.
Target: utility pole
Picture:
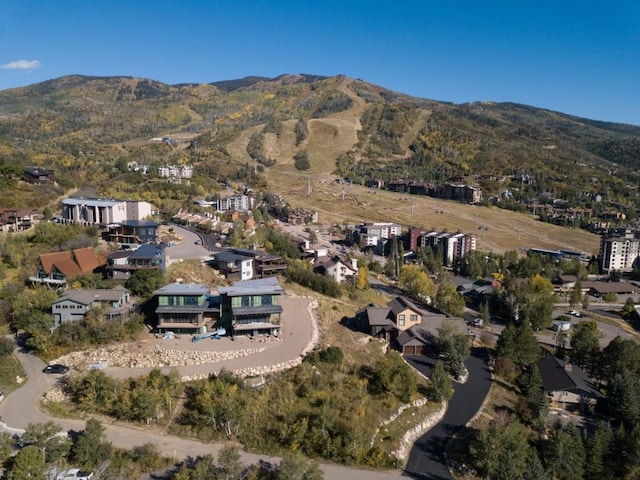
308	186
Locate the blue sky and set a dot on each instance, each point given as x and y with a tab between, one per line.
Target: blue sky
577	57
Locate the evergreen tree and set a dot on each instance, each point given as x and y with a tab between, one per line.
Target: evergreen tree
585	345
534	469
565	454
599	447
90	448
28	464
440	387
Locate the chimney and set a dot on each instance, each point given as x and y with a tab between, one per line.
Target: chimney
568	367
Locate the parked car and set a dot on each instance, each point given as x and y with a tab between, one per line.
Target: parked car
99	365
56	368
477	322
575	313
75	474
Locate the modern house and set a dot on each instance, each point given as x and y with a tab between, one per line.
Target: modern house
233	266
246	263
58	268
113	304
251	307
38	175
121	264
103	211
185	308
132	232
17	219
567	385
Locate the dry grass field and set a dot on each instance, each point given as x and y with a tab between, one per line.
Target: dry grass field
505	231
497	230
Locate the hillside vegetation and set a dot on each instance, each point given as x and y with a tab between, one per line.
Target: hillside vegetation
91	129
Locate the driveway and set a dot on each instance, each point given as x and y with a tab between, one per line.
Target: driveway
426	460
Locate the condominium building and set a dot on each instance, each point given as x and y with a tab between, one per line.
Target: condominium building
619	252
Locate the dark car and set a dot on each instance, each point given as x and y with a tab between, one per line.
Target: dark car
56	368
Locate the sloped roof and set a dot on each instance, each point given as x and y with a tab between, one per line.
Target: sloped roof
557	375
401	303
378	316
414	336
86	259
71	263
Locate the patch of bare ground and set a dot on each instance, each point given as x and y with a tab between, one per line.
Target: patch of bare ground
237	148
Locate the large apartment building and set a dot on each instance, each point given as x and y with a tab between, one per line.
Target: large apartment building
103	211
370	234
619	252
454	245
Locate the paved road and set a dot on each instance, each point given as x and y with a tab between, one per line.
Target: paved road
20	409
426	460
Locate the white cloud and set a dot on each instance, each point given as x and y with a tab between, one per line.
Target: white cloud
21	65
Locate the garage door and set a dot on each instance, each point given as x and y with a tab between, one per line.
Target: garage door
409	350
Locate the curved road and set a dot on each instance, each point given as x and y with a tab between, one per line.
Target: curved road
19	409
426	460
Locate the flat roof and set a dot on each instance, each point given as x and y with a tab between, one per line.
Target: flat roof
94	202
184	289
138	223
253	287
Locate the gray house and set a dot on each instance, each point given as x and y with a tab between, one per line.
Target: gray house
75	304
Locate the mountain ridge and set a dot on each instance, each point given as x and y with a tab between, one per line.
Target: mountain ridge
354	129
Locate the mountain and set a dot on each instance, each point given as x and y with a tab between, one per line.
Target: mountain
88	129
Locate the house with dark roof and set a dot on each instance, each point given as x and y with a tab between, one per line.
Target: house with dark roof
121	264
38	175
73	305
247	263
251	307
185	308
17	219
567	385
335	268
59	268
132	232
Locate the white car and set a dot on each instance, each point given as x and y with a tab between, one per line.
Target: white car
477	322
75	474
99	365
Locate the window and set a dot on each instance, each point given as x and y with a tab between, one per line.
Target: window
414	318
401	320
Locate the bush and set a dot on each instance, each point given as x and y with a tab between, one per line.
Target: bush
301	160
6	346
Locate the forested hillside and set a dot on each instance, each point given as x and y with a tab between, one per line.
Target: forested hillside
90	130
